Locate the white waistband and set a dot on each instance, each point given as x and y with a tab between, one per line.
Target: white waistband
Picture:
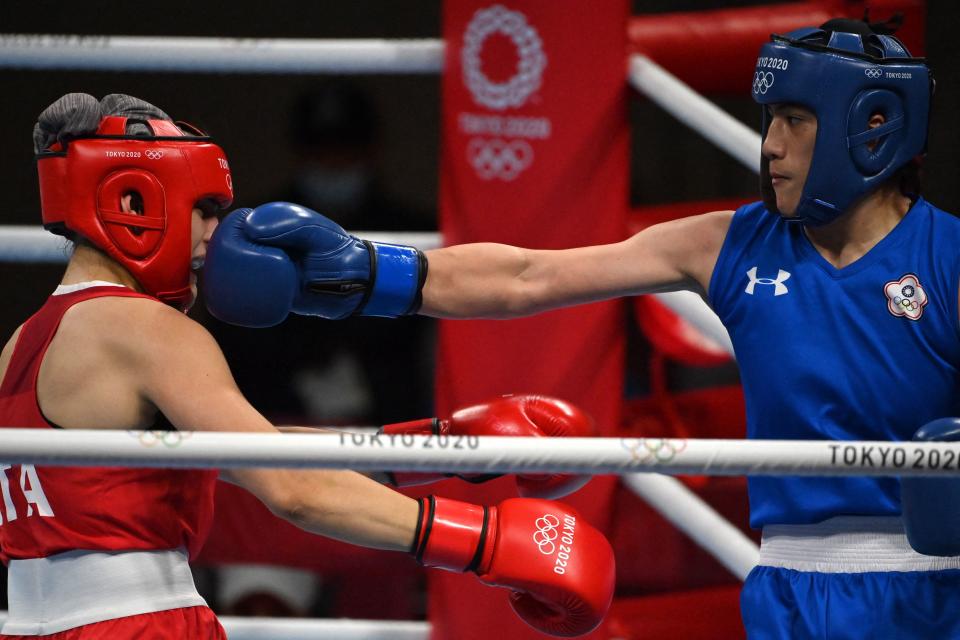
47	595
846	544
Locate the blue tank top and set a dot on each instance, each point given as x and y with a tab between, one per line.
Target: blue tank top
867	352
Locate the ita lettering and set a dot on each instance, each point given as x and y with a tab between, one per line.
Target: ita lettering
30	489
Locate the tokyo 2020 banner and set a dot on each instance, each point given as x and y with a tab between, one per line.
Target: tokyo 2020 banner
535	153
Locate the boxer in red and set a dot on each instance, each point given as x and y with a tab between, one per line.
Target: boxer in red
103	552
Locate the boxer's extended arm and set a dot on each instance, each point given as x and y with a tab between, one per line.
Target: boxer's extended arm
500	281
165	361
186	377
265	263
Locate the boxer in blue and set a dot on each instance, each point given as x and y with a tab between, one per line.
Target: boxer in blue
839	290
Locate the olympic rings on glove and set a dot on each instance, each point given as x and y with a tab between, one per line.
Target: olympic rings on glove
547	531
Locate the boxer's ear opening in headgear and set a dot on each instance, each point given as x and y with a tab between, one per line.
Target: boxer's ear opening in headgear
845	72
135	205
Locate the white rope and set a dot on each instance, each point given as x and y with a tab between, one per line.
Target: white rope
689	513
691	307
473	454
298	55
316	629
220	55
695	111
31	244
34	244
307	629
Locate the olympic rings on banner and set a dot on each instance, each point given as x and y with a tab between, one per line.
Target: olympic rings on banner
495	158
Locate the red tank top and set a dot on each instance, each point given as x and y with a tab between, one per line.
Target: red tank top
48	510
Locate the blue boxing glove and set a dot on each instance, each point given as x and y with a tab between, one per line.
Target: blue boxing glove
263	263
931	506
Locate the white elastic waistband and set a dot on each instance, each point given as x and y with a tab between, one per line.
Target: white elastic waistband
846	544
47	595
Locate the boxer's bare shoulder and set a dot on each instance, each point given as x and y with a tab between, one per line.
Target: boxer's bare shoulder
100	363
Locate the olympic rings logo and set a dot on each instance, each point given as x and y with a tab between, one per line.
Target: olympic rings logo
762	81
547	531
656	449
498	158
532	60
873	72
169	439
154	154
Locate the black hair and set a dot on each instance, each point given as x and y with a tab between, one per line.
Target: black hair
868	31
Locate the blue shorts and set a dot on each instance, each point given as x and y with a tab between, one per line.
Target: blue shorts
785	604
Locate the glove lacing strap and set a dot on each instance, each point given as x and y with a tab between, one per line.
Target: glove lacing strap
368	290
417	301
427	511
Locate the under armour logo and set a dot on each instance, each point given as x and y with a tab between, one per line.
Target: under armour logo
779	288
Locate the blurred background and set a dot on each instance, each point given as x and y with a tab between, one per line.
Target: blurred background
364	150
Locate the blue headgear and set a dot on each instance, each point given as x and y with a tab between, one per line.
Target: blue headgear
845	78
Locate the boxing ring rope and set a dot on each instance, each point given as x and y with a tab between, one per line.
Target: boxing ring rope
695	111
357	56
692	515
220	55
33	244
239	628
477	454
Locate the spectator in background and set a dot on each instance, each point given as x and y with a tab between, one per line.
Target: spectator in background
342	373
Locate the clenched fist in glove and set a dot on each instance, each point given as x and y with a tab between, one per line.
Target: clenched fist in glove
522	415
931	506
560	569
265	263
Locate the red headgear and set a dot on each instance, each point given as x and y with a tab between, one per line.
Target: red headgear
83	182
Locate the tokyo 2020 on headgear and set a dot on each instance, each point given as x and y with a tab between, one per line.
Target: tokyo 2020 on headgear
83	181
845	78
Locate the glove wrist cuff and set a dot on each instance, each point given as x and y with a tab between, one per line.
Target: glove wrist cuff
451	534
397	274
422	427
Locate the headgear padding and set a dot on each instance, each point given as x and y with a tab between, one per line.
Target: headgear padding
845	78
85	173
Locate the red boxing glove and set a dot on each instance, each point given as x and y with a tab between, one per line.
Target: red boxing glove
523	415
560	569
